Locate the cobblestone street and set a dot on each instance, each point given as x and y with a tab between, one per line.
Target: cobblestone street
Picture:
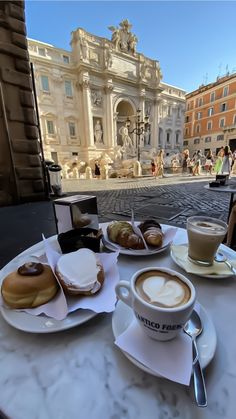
170	200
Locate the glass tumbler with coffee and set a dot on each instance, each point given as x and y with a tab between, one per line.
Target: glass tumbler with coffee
205	234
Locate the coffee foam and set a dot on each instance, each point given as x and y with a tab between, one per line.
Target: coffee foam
162	289
206	227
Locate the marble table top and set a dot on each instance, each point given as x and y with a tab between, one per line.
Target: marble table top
80	373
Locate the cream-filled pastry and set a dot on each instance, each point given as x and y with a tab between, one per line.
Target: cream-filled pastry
80	272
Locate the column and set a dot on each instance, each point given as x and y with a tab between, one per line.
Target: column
109	117
88	139
142	95
155	124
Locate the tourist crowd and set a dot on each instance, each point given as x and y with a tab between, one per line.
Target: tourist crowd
224	162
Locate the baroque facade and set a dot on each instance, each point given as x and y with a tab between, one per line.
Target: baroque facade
210	119
86	95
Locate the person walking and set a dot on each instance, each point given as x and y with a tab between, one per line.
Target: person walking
226	165
197	163
209	162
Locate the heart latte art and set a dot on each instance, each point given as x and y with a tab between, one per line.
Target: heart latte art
162	289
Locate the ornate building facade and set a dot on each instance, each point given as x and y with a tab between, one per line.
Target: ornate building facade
86	95
210	119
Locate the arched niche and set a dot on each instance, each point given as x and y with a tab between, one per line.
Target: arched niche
124	109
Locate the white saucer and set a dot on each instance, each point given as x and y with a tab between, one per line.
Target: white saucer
43	324
131	252
206	342
226	250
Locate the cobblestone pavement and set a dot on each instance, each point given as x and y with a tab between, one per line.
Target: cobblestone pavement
171	200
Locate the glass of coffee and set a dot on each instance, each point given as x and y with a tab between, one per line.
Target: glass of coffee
162	301
205	234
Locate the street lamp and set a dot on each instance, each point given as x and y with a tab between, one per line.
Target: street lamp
141	126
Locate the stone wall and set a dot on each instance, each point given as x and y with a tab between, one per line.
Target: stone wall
21	174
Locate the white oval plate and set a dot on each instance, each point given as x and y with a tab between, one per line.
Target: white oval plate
39	324
225	250
43	324
206	342
131	252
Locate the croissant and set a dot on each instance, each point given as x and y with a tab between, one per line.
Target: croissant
129	240
121	232
152	233
147	224
153	236
115	227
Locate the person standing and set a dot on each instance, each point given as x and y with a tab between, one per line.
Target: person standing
226	165
185	161
197	160
153	167
233	167
97	170
209	162
219	161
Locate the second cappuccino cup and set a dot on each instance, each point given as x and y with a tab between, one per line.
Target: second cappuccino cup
162	301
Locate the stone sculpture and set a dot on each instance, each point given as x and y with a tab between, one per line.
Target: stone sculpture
88	173
108	57
98	132
122	38
127	142
84	52
96	98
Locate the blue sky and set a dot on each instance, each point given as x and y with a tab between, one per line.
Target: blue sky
195	41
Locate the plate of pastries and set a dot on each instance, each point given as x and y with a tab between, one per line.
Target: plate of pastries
119	235
27	286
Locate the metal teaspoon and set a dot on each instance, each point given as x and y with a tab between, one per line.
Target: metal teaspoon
193	328
220	257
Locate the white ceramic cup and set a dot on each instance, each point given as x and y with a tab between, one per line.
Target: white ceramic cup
157	322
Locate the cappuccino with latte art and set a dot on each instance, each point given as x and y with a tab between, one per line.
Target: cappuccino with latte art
162	290
162	301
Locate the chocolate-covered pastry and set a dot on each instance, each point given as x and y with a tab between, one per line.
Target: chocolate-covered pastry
80	238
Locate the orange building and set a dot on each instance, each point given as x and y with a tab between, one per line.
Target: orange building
210	116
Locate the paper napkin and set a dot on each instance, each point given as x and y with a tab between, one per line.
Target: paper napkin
59	307
171	359
180	252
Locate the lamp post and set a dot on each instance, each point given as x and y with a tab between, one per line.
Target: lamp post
141	126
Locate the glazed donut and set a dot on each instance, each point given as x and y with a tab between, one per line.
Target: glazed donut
80	273
32	285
